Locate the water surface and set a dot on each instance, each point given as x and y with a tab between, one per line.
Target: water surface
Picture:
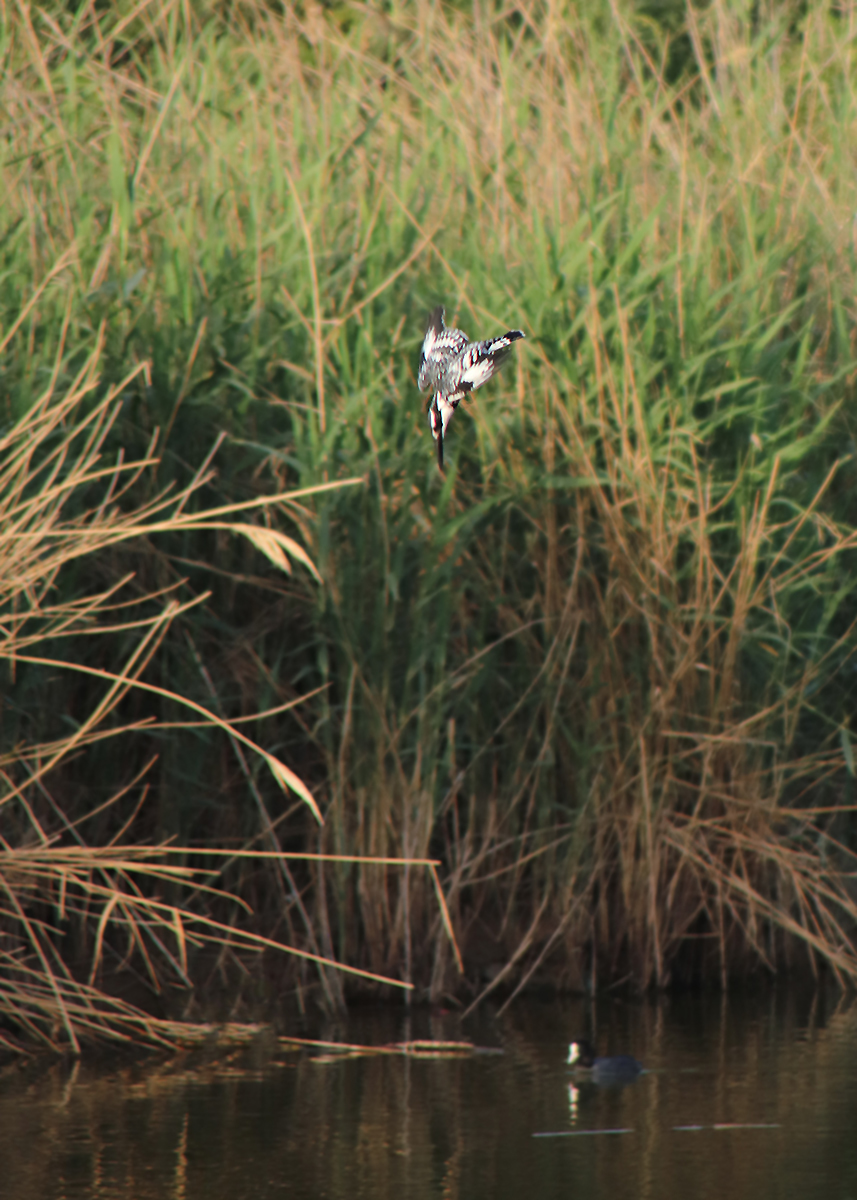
742	1097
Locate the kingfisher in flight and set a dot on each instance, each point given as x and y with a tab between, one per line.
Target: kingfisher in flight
451	366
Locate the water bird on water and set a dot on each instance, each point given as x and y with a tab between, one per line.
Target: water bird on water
451	366
620	1069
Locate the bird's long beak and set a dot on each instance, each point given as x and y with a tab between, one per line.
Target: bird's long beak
440	447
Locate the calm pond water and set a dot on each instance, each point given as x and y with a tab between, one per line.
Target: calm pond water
743	1098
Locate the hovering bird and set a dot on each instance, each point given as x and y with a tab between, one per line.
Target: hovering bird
451	366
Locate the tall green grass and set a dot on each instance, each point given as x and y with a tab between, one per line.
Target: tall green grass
602	670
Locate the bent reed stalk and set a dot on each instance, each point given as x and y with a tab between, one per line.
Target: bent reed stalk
603	672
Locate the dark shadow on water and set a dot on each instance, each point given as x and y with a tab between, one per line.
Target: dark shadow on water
743	1096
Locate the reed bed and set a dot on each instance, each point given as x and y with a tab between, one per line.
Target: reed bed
61	504
602	671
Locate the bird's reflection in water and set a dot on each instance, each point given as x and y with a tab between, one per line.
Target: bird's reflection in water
573	1100
593	1082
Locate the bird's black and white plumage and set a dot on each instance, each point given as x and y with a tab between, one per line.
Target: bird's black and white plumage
451	366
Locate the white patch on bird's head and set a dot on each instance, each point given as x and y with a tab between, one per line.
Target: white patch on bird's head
434	420
446	411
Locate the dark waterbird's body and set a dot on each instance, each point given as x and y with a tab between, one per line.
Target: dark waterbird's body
622	1068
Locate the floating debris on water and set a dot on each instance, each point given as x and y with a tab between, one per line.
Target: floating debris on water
421	1048
580	1133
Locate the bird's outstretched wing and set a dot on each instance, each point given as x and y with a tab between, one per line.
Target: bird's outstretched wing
477	363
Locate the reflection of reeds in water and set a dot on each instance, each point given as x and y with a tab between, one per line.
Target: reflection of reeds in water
603	671
771	1109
